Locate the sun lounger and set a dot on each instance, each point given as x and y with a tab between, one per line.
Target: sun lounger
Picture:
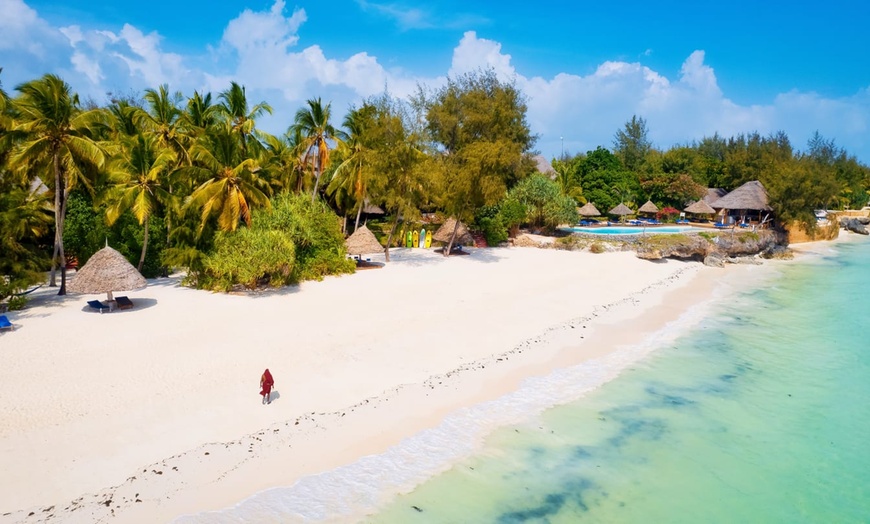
124	303
5	324
720	225
96	304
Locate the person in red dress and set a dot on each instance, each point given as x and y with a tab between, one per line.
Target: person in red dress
266	383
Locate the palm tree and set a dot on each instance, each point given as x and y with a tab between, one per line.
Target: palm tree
200	113
568	179
234	107
139	172
232	184
314	126
57	133
350	175
163	119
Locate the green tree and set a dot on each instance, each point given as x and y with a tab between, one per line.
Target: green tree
631	143
478	123
606	183
58	134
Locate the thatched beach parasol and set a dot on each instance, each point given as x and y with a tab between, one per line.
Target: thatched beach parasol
363	242
446	231
107	271
649	207
589	210
700	208
621	210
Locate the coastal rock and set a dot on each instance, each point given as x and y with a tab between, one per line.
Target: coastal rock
852	224
778	252
714	259
673	246
739	243
743	260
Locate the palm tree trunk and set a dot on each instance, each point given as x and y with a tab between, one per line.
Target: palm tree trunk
52	279
62	290
144	247
58	190
358	213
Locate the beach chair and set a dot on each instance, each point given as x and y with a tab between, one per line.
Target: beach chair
124	303
720	225
96	304
5	324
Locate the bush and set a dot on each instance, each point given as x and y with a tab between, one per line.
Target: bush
315	231
493	229
248	257
16	303
597	247
295	240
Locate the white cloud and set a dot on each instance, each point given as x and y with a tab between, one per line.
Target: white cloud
260	49
409	18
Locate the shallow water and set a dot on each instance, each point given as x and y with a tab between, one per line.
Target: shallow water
759	414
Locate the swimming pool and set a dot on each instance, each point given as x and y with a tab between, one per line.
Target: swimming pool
632	230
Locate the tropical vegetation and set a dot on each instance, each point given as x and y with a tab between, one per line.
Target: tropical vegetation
192	182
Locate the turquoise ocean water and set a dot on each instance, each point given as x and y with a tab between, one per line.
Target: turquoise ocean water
759	412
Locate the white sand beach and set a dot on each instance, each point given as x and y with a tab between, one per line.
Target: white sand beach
153	412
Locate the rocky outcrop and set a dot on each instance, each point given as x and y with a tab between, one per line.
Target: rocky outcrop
737	247
855	225
715	259
674	246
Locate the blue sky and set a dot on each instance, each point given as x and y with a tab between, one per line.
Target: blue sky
690	69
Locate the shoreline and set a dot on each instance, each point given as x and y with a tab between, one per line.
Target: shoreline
209	477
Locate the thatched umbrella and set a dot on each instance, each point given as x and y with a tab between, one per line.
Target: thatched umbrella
589	210
363	242
446	231
621	210
700	208
649	207
107	271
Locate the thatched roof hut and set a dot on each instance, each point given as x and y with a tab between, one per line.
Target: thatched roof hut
649	207
106	271
446	231
363	242
700	208
543	166
589	210
714	194
749	196
621	210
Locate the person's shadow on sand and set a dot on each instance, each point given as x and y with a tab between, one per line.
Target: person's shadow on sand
274	396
